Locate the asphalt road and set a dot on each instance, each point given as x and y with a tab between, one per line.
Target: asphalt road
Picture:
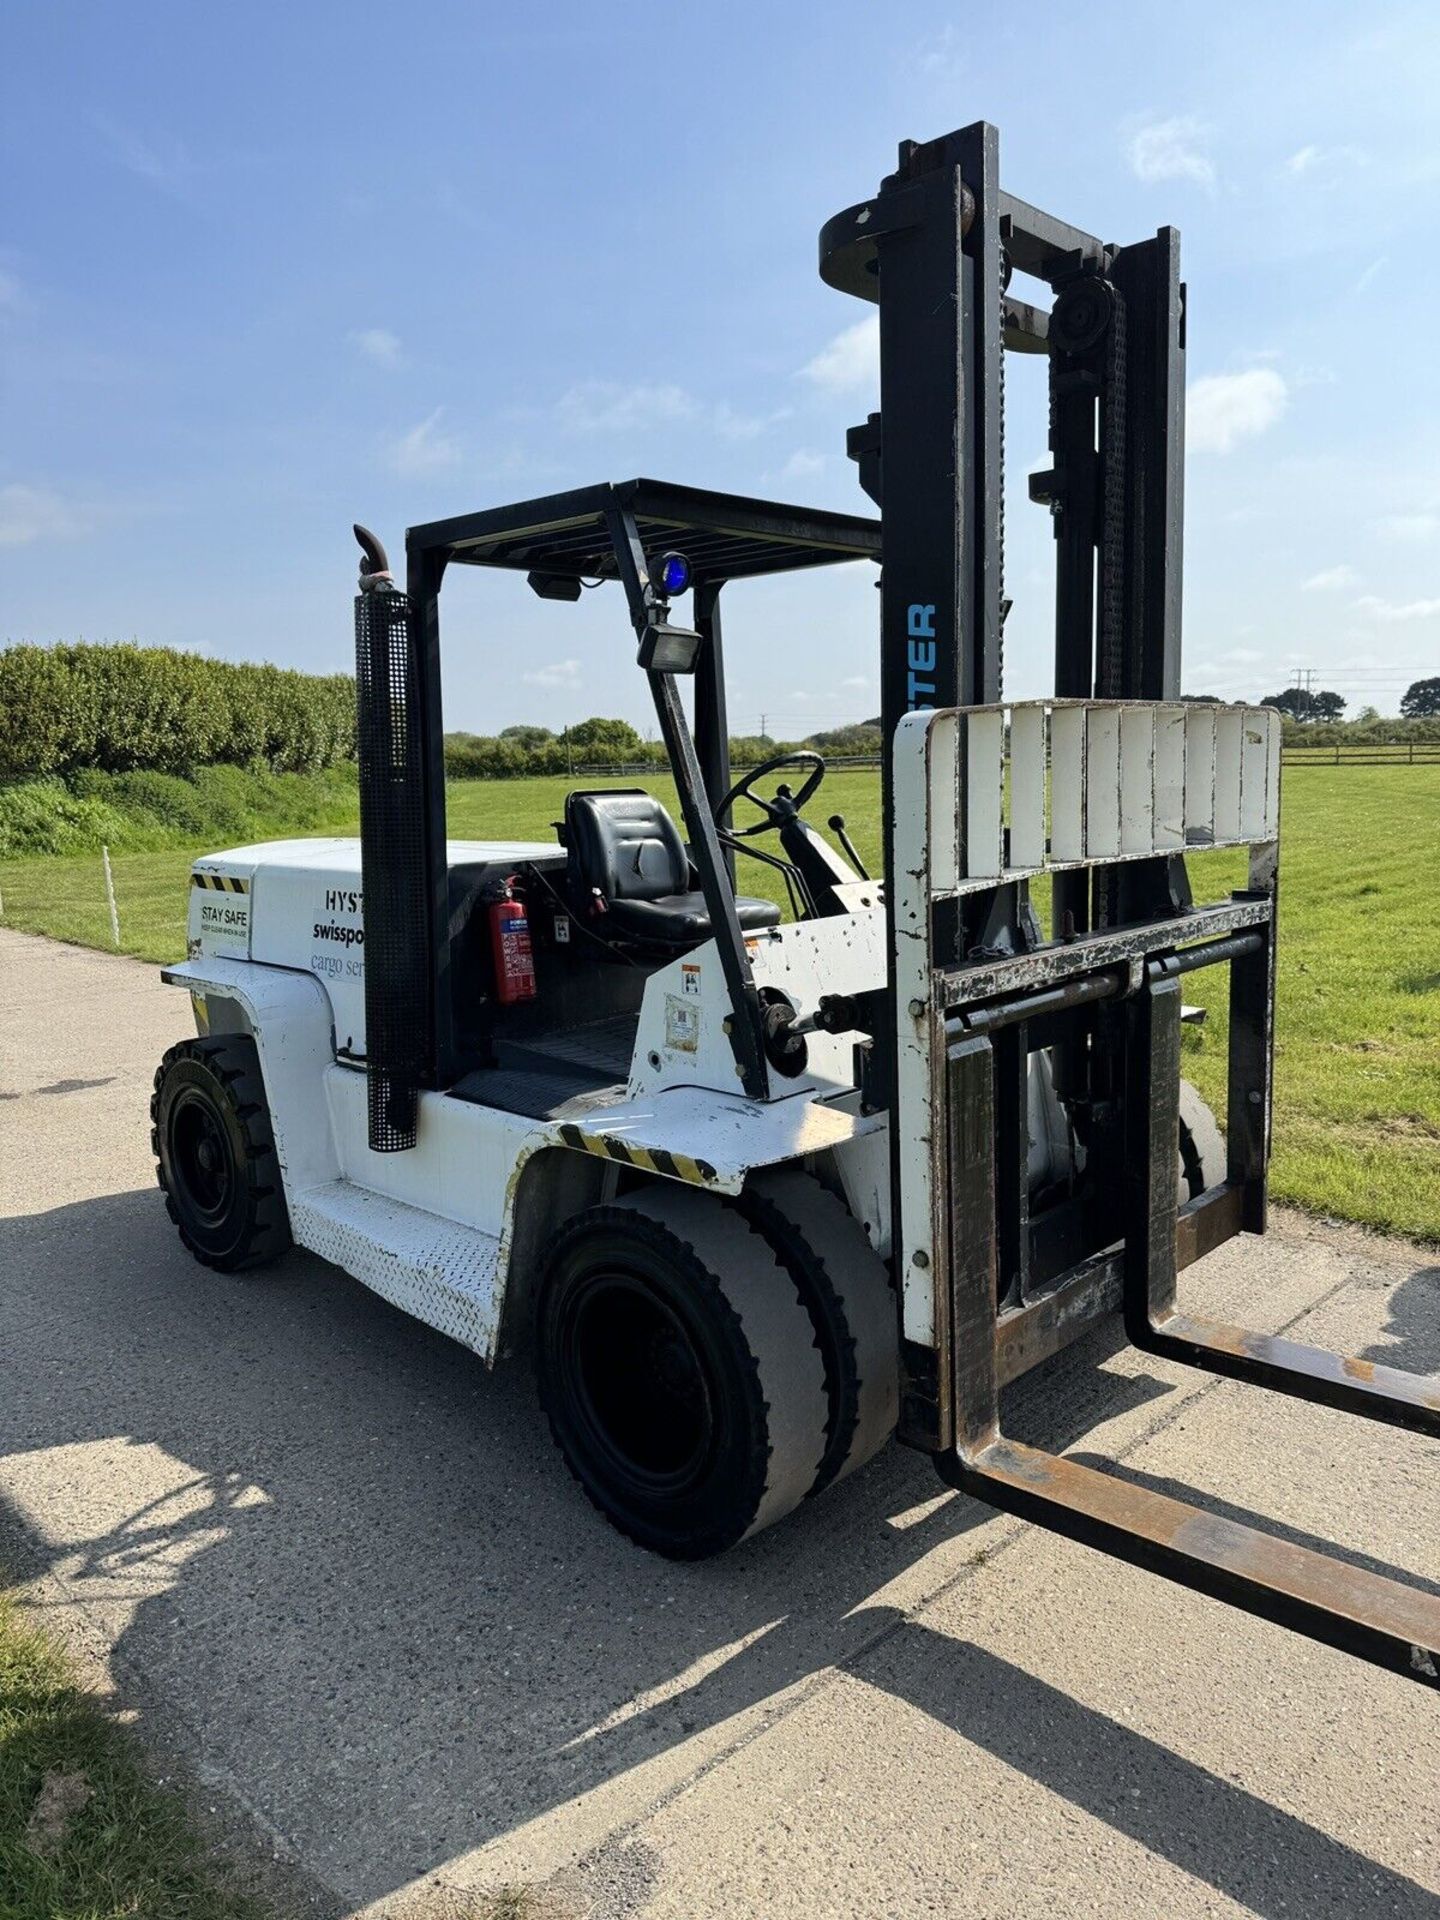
339	1568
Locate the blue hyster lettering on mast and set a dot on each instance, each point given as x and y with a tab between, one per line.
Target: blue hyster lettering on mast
920	656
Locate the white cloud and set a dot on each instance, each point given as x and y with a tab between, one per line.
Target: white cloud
423	449
1235	657
858	680
563	673
28	514
1409	528
939	54
851	362
377	344
1370	272
605	406
1374	608
803	464
159	159
1172	150
1326	161
1229	673
732	425
11	297
1226	408
1330	580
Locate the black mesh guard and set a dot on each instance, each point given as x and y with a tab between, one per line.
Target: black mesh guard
393	868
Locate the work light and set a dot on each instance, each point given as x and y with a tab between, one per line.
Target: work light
671	574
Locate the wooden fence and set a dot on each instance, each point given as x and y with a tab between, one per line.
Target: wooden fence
1422	753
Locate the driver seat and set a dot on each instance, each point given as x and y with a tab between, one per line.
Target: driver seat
625	849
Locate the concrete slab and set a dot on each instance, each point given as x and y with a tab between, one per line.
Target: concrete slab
341	1568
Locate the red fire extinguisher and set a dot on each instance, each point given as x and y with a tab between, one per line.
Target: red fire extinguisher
510	948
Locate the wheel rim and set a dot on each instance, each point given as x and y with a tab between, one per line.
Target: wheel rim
638	1383
200	1154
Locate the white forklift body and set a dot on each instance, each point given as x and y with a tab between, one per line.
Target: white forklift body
276	951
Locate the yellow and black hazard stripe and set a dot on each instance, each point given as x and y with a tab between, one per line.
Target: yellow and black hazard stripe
674	1166
220	882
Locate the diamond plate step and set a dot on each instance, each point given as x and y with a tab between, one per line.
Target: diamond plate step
443	1273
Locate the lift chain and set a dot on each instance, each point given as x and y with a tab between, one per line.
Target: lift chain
1000	511
1109	677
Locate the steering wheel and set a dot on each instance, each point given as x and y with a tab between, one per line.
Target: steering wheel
774	817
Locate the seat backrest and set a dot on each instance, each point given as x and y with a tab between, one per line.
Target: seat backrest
625	844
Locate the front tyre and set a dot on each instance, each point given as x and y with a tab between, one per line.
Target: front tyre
215	1154
1202	1145
678	1366
847	1293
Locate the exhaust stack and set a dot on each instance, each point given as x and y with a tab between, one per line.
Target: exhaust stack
399	1014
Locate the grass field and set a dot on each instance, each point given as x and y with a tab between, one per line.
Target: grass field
1358	1050
84	1835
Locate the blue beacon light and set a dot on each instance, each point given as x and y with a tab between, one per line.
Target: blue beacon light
672	574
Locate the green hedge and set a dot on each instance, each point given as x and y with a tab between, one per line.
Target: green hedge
144	812
1380	732
124	709
596	745
476	756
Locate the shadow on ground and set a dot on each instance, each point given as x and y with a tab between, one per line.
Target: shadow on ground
1231	1839
352	1564
1411	1336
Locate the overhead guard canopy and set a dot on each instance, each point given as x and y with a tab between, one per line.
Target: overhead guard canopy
723	536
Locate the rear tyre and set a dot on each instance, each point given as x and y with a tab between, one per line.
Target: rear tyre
1202	1146
215	1154
679	1371
847	1293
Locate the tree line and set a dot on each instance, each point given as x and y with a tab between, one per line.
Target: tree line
123	709
1420	701
127	709
598	743
71	708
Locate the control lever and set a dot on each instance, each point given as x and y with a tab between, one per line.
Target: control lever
835	1013
837	827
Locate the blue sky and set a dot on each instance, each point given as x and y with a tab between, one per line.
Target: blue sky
267	270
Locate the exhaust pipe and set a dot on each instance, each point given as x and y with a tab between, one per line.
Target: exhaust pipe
374	562
396	907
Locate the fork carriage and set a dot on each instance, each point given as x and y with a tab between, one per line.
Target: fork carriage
1002	796
982	1288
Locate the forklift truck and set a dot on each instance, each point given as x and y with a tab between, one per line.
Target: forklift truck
759	1193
